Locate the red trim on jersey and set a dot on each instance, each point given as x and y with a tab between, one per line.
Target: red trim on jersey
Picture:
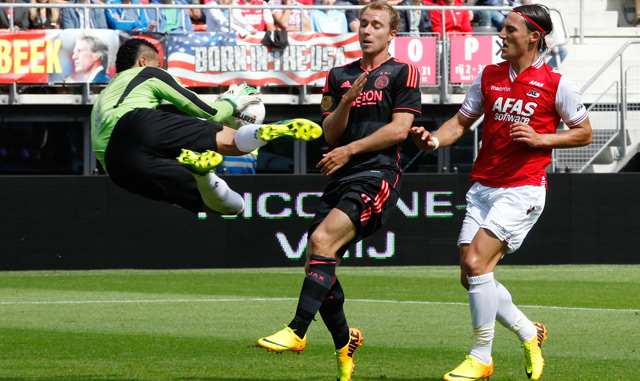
469	114
374	68
577	121
419	112
413	76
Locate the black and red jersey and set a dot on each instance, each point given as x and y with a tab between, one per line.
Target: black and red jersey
391	87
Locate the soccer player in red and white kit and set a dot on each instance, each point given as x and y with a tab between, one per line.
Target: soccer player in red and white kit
368	107
523	100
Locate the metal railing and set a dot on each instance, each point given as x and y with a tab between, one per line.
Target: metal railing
443	48
608	117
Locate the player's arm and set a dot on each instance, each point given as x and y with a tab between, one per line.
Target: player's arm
454	128
336	122
576	136
168	87
570	108
392	133
446	135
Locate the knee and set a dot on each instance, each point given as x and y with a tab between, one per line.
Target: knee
471	265
319	239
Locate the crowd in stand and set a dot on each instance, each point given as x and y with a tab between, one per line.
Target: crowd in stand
245	21
267	15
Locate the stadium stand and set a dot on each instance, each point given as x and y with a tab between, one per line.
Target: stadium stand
603	58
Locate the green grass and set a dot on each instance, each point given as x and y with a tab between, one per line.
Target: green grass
203	324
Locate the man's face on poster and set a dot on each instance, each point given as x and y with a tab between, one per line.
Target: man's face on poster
84	60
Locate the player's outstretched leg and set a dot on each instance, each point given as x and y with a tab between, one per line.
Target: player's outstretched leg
284	340
199	163
292	129
534	363
344	356
215	192
470	369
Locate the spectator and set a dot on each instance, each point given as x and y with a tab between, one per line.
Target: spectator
414	22
239	165
91	59
353	16
134	19
218	20
332	21
74	18
20	17
169	20
292	20
492	18
454	22
43	18
261	19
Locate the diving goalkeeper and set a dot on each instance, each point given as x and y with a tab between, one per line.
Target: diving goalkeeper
168	156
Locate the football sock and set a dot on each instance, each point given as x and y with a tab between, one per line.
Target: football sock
511	317
316	286
246	138
217	195
332	314
483	303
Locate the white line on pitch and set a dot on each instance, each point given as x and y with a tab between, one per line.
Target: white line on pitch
293	299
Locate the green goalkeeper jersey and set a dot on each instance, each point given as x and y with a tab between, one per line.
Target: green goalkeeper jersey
145	87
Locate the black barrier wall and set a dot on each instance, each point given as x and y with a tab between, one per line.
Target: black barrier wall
88	223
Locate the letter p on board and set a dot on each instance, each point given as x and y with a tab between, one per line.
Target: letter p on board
471	45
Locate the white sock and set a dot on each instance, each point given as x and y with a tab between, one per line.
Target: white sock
483	302
511	317
246	138
217	195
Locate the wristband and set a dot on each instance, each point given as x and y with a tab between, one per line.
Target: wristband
437	141
233	104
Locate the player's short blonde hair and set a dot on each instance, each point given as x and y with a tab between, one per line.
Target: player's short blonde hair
394	17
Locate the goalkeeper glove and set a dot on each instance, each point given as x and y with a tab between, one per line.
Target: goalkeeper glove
240	96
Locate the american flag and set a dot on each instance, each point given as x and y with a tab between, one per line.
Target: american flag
210	59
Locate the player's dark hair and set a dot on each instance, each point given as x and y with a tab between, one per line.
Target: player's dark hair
395	22
542	23
130	51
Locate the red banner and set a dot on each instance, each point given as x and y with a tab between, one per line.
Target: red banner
420	52
470	54
27	57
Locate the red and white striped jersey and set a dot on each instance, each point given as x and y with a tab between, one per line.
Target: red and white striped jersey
539	97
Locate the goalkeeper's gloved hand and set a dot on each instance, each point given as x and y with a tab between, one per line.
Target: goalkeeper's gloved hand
240	96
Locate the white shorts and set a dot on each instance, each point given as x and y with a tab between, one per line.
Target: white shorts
507	212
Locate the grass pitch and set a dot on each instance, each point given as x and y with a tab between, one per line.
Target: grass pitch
203	324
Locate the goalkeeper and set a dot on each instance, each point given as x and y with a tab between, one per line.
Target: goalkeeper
167	156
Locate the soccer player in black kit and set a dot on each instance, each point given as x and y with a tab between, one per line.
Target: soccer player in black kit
368	108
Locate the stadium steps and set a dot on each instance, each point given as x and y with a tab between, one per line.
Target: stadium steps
606	30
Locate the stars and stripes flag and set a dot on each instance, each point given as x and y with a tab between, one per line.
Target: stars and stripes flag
210	59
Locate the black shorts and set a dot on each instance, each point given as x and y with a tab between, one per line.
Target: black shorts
142	151
368	201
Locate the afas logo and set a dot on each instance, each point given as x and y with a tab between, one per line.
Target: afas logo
513	110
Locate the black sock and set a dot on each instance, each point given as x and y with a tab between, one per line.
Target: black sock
333	315
316	285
